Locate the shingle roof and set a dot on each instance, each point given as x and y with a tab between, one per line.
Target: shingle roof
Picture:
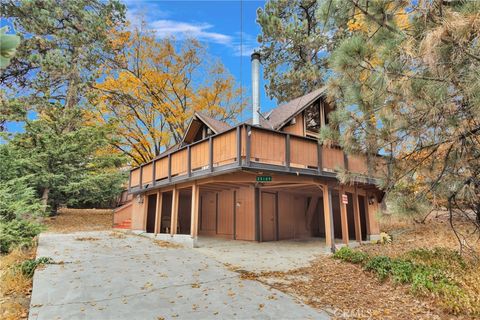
283	113
216	125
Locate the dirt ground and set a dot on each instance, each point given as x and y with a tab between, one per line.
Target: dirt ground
348	292
70	220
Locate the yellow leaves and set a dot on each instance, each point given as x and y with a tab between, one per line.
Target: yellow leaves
357	23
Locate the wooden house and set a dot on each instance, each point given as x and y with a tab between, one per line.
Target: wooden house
264	180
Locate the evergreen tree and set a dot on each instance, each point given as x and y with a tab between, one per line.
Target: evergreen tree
67	162
292	48
406	82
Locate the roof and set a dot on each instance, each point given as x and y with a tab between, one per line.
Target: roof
216	125
280	115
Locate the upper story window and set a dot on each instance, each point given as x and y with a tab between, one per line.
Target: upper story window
312	118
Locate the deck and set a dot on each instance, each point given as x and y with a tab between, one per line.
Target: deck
246	147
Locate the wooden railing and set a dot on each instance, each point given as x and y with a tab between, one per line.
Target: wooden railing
246	146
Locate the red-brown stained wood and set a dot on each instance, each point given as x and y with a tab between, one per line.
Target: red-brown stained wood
225	147
332	158
147	173
303	153
268	147
135	177
161	168
199	155
179	162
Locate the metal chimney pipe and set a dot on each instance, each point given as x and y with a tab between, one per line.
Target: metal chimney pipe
255	88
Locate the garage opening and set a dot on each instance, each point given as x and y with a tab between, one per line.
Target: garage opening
151	209
166	212
363	216
350	217
184	211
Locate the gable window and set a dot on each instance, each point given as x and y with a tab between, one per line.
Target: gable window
312	118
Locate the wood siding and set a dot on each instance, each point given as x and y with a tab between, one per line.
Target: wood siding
267	147
298	128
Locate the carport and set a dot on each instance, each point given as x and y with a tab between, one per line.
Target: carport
241	209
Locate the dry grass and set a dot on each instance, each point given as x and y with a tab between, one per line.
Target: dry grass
166	244
349	292
15	288
71	220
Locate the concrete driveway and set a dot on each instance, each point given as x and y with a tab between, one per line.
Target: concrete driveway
107	275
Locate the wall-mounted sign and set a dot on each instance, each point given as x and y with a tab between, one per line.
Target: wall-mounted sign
264	178
344	199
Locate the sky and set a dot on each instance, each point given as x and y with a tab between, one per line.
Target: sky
226	27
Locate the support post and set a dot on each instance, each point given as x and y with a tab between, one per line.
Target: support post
210	154
319	157
328	216
287	151
130	181
248	145
158	213
154	172
343	216
141	177
174	215
356	217
189	161
239	146
169	167
257	213
194	214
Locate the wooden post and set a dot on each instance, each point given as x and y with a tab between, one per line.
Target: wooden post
328	217
239	146
287	151
248	133
189	161
194	217
154	180
343	216
319	157
174	216
158	213
210	153
141	176
356	216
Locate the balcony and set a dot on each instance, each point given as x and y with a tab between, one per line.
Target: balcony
246	147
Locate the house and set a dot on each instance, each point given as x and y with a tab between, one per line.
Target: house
264	180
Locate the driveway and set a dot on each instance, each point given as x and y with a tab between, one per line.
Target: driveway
110	275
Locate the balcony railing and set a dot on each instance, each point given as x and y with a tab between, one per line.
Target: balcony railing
245	146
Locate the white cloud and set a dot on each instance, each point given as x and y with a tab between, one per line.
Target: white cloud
181	29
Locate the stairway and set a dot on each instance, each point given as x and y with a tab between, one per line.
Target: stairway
126	224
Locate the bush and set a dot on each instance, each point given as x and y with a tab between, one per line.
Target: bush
381	265
17	233
28	267
350	255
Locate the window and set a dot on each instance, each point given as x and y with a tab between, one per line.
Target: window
312	118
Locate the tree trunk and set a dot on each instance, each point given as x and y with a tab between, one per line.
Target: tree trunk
44	200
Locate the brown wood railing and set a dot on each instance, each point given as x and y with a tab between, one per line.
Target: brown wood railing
246	146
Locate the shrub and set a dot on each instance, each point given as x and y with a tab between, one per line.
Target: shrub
17	233
28	267
402	271
350	255
381	265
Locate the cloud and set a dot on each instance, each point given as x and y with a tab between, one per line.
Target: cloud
181	29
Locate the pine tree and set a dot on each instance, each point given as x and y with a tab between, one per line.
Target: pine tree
406	82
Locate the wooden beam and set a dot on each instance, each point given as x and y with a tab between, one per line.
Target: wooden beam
239	146
195	206
174	215
356	216
158	212
343	216
287	152
328	217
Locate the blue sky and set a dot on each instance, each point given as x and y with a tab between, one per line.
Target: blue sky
228	28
